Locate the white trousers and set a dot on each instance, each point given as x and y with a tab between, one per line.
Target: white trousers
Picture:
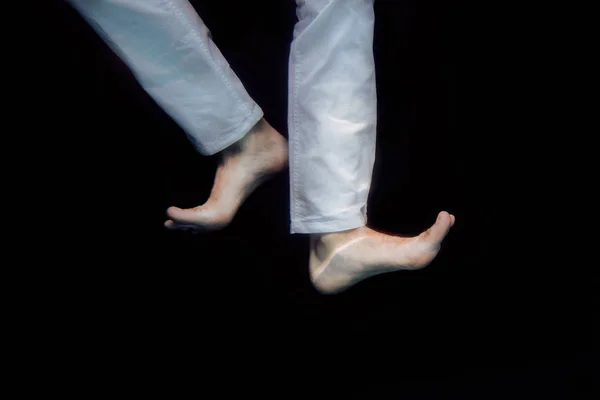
332	109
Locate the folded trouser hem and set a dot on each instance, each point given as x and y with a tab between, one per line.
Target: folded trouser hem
228	138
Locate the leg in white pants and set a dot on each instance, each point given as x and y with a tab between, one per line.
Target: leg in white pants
332	128
332	115
170	51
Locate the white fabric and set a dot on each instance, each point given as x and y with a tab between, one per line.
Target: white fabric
169	50
332	95
332	115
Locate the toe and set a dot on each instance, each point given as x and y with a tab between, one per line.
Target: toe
182	216
440	229
199	219
174	226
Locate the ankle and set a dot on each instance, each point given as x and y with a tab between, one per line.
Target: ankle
262	126
261	131
258	130
330	238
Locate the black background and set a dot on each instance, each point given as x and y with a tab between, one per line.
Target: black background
466	115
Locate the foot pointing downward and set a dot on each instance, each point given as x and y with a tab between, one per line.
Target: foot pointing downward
341	259
244	166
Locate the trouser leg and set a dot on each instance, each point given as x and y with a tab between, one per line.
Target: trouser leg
170	51
332	115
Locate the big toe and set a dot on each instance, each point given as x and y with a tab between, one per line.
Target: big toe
182	216
440	229
200	217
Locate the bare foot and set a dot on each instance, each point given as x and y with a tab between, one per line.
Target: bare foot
341	259
244	166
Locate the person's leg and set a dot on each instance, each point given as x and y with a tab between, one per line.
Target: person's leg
332	132
170	51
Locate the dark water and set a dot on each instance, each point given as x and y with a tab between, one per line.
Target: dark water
498	314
